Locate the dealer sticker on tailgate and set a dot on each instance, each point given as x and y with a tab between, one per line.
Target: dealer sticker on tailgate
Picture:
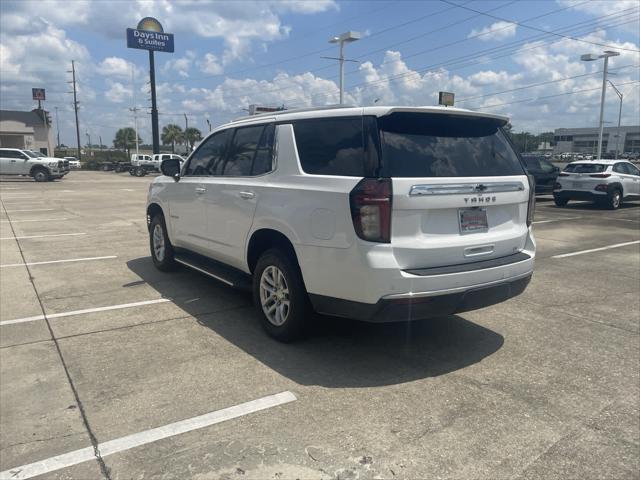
473	220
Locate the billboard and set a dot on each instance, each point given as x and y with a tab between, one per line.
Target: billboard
38	93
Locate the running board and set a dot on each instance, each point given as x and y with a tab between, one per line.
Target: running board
223	273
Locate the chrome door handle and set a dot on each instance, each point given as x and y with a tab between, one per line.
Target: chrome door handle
247	195
200	190
13	161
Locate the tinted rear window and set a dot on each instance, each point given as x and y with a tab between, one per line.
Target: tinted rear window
585	168
437	145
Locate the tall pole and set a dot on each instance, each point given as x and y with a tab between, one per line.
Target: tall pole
154	108
58	127
100	137
341	72
208	123
75	107
135	107
620	96
604	91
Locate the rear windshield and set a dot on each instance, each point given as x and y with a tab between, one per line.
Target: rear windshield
438	145
585	168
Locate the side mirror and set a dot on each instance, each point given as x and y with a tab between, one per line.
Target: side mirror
171	168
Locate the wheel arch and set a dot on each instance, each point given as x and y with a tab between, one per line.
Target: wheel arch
152	210
35	168
264	239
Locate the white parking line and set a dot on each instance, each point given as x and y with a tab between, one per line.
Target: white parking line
148	436
128	189
82	312
556	220
617	245
32	210
86	259
35	220
43	236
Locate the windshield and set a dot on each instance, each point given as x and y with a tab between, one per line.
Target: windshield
31	154
436	145
585	168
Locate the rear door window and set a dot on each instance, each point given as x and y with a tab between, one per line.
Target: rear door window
438	145
242	151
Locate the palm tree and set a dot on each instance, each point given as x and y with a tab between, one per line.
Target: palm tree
125	138
192	135
172	134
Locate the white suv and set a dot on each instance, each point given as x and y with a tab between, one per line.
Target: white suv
606	182
374	213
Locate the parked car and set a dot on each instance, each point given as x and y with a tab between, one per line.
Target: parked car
158	158
139	159
544	172
607	182
74	163
374	213
14	161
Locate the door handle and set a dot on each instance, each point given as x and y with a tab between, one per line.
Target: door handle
13	161
200	190
247	195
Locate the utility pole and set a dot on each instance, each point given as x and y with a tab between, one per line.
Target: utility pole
208	123
100	137
186	127
341	39
154	108
135	107
75	106
58	127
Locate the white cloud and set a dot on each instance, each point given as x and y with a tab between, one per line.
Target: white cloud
598	8
117	67
497	31
210	65
118	92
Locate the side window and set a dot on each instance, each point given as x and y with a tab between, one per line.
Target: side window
632	169
209	157
331	146
619	168
532	163
242	151
263	162
8	154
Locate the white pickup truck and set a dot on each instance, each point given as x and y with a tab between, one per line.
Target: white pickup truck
14	161
152	162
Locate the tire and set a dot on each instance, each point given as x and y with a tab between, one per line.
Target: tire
139	172
162	252
41	175
285	312
560	201
614	199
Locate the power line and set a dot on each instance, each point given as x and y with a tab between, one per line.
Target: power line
539	29
550	96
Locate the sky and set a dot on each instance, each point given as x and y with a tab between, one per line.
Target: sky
519	58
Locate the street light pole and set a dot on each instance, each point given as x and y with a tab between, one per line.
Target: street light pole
343	38
619	93
589	57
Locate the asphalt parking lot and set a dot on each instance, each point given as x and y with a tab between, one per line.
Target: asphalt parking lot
112	369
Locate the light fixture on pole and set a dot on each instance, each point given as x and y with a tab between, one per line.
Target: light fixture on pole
346	37
619	93
590	57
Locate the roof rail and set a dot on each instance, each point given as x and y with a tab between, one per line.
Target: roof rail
295	110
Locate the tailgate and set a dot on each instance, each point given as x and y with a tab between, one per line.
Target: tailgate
438	222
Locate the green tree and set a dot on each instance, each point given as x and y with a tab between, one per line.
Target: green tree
192	135
125	139
172	134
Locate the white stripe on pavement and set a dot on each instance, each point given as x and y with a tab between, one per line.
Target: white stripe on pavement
86	259
556	220
32	210
617	245
43	236
148	436
35	220
82	312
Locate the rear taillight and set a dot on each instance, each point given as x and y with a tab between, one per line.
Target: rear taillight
600	175
602	187
531	207
371	209
563	174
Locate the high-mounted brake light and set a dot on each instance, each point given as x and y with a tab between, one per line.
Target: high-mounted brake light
371	209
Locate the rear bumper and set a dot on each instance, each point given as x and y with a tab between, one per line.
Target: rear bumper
585	195
419	308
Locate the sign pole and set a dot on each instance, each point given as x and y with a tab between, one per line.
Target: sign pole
154	107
